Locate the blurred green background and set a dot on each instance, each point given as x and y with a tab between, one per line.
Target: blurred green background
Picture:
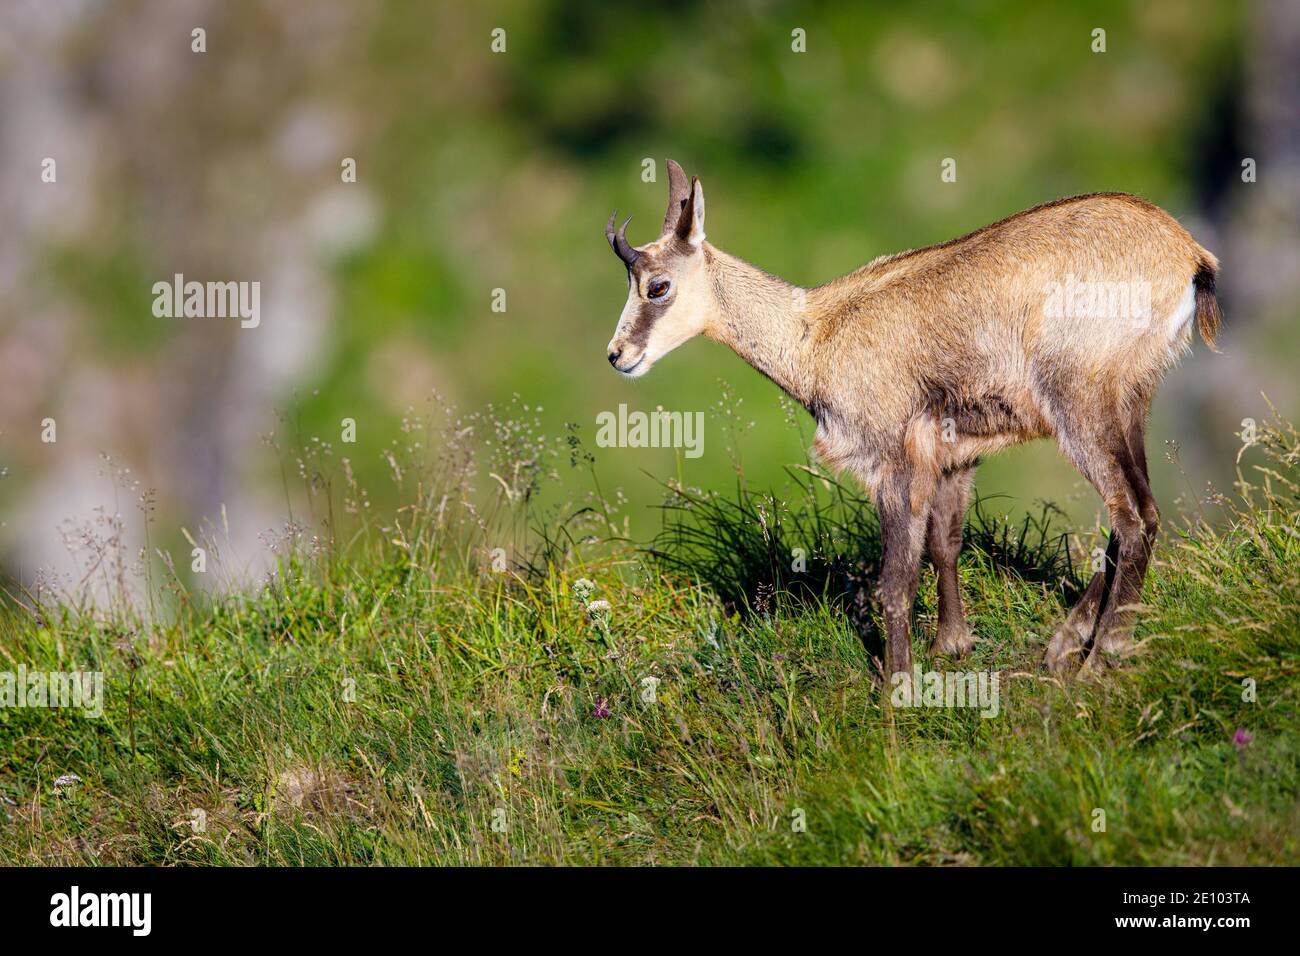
480	170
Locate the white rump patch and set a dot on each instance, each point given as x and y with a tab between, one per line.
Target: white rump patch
1181	318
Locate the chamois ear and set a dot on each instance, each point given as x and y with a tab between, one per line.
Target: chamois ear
690	225
679	190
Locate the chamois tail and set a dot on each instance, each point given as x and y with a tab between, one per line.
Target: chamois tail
1208	314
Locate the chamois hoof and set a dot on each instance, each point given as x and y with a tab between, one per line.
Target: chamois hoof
1106	653
1094	667
1065	651
953	642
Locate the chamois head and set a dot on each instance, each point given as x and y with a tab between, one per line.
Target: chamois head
668	299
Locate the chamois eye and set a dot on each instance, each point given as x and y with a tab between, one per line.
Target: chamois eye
658	288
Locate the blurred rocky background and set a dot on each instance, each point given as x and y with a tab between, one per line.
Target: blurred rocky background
479	170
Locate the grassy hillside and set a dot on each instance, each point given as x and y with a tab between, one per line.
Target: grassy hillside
391	696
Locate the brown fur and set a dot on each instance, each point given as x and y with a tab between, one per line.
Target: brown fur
920	362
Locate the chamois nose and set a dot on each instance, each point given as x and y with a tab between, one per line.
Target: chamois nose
614	356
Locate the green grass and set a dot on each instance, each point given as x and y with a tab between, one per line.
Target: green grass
388	698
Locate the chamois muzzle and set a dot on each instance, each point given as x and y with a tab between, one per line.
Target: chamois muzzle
618	240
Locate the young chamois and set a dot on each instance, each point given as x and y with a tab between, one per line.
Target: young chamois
1055	322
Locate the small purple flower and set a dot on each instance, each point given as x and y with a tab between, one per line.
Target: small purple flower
1242	738
602	708
778	657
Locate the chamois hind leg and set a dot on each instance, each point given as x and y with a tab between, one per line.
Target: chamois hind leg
1103	615
902	528
1141	480
1115	622
947	518
1070	642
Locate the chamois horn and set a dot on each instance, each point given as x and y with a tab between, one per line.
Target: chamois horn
618	240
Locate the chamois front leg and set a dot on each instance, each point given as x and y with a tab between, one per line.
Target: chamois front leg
947	521
902	527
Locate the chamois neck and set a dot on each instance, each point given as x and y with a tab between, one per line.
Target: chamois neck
763	319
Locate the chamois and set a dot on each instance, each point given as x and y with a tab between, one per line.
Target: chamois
1057	322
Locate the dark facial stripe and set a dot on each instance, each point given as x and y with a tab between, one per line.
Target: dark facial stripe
646	317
